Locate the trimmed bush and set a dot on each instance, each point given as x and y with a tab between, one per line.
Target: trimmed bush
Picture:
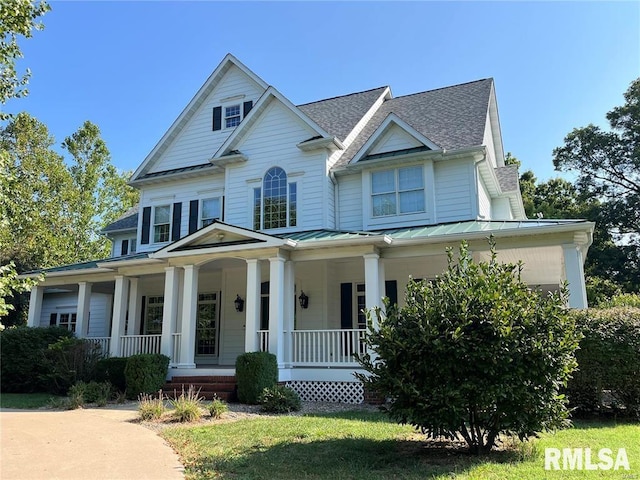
608	375
255	371
21	357
145	373
280	399
112	370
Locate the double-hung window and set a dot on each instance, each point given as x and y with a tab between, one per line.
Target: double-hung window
153	315
398	191
232	116
64	320
161	223
210	211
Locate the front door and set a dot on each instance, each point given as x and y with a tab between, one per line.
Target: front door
207	323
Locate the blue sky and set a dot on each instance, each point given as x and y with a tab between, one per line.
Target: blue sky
131	67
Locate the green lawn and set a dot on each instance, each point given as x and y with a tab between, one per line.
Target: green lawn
366	446
24	400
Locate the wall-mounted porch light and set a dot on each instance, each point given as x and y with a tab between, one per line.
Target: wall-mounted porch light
239	303
303	299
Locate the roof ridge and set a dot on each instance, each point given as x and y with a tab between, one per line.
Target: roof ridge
443	88
342	96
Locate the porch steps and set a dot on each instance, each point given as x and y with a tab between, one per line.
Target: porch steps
210	387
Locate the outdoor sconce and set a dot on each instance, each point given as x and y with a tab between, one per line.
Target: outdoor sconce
239	303
303	299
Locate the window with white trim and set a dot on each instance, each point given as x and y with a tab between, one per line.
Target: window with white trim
210	211
153	315
232	116
398	191
64	320
161	223
275	205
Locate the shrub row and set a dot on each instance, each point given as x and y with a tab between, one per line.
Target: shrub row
608	375
52	360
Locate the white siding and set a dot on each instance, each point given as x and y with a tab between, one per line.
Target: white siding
484	200
454	190
272	142
350	208
311	277
488	142
501	209
395	138
197	143
99	310
182	191
232	323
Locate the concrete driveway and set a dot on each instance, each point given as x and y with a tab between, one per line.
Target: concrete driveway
86	444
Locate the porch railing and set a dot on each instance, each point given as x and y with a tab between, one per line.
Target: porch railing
326	347
176	347
263	340
135	344
103	343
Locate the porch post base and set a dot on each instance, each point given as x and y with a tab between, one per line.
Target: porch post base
184	365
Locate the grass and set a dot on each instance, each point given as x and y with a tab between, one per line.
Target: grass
358	445
25	400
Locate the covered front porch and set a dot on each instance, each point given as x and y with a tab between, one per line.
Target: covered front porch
223	291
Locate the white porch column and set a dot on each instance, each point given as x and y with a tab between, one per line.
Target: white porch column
276	308
189	314
289	309
133	323
35	306
170	311
373	294
252	306
120	298
574	272
84	301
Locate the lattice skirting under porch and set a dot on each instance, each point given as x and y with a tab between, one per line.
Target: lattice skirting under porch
345	392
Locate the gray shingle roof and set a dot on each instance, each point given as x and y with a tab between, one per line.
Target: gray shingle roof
508	178
451	117
127	221
339	115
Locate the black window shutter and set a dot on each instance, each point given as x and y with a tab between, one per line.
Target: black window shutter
222	209
217	118
193	215
391	291
146	225
246	108
53	319
125	247
142	315
346	310
177	220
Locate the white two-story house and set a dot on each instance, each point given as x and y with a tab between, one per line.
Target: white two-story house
264	225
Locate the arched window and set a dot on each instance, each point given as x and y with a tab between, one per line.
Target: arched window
275	204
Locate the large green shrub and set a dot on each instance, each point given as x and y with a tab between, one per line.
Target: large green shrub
22	357
474	352
255	371
145	373
111	370
70	360
608	372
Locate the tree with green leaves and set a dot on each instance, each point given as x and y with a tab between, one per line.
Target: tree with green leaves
17	18
52	210
474	353
608	163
